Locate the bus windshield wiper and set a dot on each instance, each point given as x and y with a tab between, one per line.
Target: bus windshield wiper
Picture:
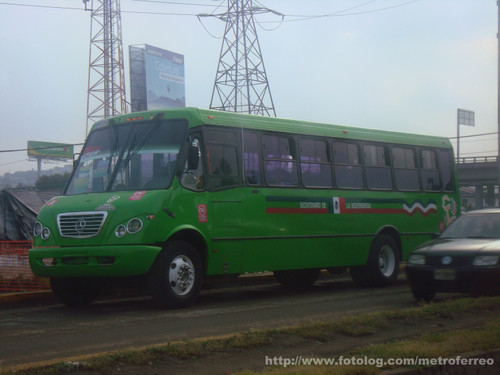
133	149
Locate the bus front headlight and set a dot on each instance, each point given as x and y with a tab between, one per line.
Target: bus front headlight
37	229
134	225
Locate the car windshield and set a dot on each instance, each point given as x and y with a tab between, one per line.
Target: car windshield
474	226
131	156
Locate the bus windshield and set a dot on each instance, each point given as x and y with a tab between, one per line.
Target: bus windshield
131	156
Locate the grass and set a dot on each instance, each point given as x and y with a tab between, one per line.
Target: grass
428	345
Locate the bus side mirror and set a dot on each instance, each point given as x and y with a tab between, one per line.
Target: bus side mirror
75	159
193	157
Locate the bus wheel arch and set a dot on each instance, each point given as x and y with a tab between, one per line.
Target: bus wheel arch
394	234
196	240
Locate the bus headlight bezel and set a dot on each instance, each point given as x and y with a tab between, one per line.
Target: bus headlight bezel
120	231
45	233
134	225
37	229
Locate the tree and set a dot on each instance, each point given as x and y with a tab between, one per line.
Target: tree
55	182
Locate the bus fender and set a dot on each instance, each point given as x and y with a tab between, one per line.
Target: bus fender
193	236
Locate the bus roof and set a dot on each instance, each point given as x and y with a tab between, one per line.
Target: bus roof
198	116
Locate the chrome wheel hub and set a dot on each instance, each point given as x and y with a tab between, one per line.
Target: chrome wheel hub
387	261
181	275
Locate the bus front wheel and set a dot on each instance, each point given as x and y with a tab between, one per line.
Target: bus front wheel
176	277
383	263
75	292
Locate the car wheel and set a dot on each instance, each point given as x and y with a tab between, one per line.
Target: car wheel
76	292
176	277
297	279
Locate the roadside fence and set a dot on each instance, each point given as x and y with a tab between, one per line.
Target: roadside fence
15	271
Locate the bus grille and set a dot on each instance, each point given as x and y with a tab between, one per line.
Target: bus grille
81	224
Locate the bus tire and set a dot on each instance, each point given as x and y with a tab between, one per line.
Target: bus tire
383	262
297	279
176	277
75	292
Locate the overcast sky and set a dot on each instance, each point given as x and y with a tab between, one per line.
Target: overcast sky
387	64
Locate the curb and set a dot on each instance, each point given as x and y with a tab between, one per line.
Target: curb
24	296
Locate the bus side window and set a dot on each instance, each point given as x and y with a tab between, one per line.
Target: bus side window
314	163
405	169
347	166
222	158
429	172
251	156
280	163
445	167
377	168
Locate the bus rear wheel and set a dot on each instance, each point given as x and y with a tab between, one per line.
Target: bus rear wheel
297	279
383	263
176	277
75	292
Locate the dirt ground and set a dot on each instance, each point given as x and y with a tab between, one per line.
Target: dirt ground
291	346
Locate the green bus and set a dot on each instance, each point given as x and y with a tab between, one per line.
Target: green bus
177	195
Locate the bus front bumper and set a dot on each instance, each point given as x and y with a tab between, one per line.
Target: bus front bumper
92	261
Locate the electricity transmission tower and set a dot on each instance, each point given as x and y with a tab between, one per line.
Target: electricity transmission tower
241	83
106	85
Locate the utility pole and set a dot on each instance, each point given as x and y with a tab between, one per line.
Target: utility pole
106	84
498	102
241	83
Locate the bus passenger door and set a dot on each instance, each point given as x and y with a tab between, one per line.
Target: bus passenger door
224	194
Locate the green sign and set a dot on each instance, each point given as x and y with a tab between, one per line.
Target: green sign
50	150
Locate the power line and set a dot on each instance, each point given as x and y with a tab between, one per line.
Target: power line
341	13
173	3
82	9
301	17
40	6
474	135
41	148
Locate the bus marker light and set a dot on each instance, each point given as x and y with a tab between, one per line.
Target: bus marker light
135	118
150	217
120	231
211	117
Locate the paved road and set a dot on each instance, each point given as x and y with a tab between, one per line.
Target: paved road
53	331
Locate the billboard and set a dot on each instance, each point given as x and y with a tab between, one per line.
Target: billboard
157	78
50	150
465	117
